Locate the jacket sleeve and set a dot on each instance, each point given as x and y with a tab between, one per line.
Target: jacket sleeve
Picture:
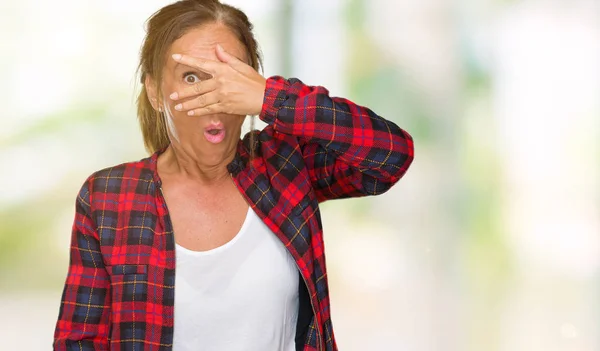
349	150
83	320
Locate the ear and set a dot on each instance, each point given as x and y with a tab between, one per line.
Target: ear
152	92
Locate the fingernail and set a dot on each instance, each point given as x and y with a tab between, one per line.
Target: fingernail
176	57
190	113
220	48
174	96
178	107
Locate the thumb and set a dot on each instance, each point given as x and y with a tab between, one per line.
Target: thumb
231	60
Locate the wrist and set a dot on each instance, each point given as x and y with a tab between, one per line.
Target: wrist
274	95
260	98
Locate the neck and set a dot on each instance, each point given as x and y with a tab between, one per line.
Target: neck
176	161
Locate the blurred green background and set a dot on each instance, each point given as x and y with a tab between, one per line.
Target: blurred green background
490	242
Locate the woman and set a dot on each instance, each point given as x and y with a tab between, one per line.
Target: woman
233	224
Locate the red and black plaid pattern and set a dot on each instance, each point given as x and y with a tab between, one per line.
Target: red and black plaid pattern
119	291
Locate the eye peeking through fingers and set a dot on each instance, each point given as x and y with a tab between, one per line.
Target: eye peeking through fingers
191	78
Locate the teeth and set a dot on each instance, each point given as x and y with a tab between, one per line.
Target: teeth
213	131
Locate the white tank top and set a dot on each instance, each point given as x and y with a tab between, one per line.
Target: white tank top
239	296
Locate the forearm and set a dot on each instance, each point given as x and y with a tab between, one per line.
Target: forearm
359	137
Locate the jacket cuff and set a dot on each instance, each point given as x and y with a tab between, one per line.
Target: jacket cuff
275	95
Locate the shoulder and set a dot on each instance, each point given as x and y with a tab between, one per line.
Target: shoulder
268	140
129	171
130	177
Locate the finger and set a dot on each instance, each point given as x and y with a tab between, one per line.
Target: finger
207	110
200	88
231	60
208	66
200	101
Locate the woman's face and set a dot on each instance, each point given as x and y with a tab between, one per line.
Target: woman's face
194	133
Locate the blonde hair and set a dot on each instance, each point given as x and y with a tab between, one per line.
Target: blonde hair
163	28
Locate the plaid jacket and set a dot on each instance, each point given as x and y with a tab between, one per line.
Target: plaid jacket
119	291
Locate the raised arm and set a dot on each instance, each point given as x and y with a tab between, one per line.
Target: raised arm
349	150
83	320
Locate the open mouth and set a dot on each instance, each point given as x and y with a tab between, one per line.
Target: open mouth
215	133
